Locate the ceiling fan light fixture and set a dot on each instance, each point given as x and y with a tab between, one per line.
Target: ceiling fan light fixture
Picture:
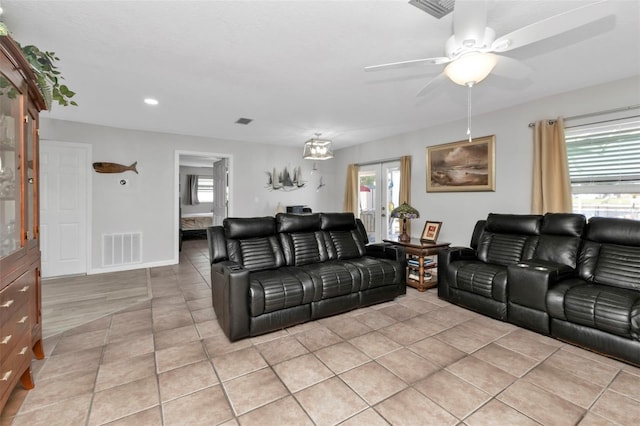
317	149
471	68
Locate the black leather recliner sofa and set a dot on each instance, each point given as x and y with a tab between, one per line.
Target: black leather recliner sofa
554	274
270	273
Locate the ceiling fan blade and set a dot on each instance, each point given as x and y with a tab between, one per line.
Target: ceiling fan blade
552	26
431	85
511	68
469	22
404	64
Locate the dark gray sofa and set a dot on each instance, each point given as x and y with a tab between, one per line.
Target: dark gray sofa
555	274
270	273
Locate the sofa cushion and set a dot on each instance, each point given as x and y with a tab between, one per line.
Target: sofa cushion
560	238
288	222
603	307
342	236
522	224
508	239
337	221
302	248
377	272
256	254
504	249
252	243
344	244
484	279
271	291
332	278
249	227
624	232
618	266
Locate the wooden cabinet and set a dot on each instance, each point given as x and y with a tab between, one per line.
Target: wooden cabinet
20	291
422	262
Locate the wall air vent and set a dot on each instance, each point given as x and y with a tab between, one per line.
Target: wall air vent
121	249
244	121
435	8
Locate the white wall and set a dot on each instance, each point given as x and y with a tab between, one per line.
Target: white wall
149	203
514	157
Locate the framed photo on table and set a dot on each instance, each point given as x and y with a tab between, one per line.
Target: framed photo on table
430	232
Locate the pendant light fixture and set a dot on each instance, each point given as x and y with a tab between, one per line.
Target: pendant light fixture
317	149
469	70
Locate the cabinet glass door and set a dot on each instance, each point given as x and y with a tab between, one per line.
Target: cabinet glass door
10	168
31	202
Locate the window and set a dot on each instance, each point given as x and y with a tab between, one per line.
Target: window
205	189
604	167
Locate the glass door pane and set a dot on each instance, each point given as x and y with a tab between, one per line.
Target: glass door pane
10	170
378	194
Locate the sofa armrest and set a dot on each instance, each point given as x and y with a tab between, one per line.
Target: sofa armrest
529	281
451	254
230	294
386	251
447	273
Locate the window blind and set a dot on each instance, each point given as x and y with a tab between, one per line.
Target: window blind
604	154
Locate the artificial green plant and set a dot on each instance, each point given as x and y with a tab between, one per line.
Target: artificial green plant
48	78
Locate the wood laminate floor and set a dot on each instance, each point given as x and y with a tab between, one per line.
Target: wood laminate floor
68	302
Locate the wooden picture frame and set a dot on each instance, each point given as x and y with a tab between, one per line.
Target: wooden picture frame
462	166
430	232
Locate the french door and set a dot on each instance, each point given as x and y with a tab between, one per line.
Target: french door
378	195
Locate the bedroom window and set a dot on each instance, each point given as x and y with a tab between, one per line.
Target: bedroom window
604	166
205	189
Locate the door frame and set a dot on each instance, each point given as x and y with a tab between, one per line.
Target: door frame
88	149
176	191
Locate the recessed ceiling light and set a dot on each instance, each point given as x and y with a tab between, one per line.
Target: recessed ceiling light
151	101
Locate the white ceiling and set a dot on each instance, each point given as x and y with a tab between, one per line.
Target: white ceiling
296	67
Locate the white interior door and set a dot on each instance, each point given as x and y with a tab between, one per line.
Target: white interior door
220	189
64	169
379	194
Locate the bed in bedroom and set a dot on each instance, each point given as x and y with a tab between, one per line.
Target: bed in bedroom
194	225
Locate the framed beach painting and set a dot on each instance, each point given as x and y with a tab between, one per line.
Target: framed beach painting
462	166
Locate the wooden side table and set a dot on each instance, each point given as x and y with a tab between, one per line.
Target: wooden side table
422	273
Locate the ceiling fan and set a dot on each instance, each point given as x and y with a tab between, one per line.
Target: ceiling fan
473	51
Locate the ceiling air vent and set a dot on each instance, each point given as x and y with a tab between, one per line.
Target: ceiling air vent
244	121
435	8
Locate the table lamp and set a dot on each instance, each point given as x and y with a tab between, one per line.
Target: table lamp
404	211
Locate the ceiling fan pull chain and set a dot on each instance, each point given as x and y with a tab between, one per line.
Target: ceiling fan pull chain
469	85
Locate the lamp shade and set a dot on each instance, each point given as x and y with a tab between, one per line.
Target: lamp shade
317	149
471	68
405	211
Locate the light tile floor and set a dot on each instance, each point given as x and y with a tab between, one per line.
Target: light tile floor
417	360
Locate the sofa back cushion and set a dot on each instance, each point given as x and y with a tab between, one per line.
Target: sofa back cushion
301	238
508	239
342	238
611	252
252	242
560	238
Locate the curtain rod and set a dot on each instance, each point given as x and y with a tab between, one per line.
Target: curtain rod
368	163
593	114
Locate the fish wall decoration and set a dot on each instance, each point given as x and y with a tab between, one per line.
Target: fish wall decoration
102	167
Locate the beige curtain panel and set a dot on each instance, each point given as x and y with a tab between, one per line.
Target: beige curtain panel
551	181
405	184
351	190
